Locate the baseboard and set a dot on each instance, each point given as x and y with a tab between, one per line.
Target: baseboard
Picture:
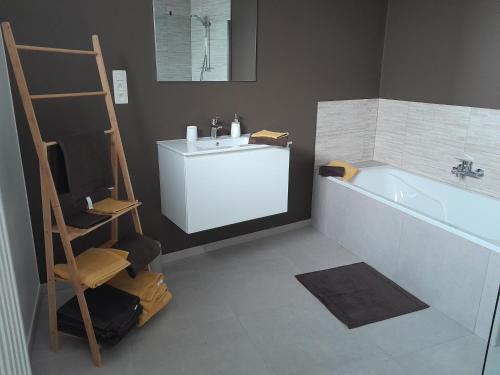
34	319
197	250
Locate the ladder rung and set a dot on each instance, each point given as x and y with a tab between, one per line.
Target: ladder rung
53	143
67	95
55	50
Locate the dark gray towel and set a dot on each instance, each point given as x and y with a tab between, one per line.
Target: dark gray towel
281	141
142	251
328	171
87	162
85	220
113	313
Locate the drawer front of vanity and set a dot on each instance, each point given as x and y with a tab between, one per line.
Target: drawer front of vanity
229	188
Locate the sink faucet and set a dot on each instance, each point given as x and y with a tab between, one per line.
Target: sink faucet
215	127
464	169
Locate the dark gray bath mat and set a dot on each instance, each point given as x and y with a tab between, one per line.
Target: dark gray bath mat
358	294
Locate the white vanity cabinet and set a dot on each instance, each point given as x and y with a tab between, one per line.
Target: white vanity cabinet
211	183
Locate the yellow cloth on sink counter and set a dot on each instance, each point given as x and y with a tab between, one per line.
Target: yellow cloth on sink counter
269	134
145	285
350	170
95	266
111	206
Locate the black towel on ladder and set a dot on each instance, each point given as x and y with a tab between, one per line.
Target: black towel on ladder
113	313
142	251
87	162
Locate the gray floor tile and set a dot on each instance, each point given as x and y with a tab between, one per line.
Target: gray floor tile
317	253
295	339
463	356
363	367
411	332
221	347
240	310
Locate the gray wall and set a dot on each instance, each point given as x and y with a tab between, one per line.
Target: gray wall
445	51
14	205
322	50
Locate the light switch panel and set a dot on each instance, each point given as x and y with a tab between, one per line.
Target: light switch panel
120	86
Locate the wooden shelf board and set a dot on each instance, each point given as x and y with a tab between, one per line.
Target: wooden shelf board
74	233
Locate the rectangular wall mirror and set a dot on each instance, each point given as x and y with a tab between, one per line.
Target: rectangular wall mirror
205	40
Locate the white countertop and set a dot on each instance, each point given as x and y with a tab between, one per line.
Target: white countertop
207	145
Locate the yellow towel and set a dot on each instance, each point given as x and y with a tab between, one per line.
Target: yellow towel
269	134
145	285
350	171
159	293
111	206
160	304
96	266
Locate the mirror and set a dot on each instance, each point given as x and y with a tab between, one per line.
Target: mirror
205	40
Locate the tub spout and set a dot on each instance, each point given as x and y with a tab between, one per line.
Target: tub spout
464	169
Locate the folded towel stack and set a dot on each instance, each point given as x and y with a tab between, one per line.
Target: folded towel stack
148	287
113	313
339	168
266	137
96	266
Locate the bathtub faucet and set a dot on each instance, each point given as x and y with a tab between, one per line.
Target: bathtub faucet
464	169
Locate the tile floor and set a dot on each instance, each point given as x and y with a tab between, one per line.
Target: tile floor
239	310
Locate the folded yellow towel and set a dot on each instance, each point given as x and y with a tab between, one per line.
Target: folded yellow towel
159	293
160	304
269	134
350	170
145	285
96	266
111	206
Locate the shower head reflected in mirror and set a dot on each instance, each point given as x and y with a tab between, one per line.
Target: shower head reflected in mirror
204	20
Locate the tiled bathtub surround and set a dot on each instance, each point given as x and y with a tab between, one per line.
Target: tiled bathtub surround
422	138
346	130
428	138
450	273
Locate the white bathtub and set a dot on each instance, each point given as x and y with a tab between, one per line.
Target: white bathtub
439	242
473	216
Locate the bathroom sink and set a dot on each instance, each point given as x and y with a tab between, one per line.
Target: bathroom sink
212	183
222	142
208	145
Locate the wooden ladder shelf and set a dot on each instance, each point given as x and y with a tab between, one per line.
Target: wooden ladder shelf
50	199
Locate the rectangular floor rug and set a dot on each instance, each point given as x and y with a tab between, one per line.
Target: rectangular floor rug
358	294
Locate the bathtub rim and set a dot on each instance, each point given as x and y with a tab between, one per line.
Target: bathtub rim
449	228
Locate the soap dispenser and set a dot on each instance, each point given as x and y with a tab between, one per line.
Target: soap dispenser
235	127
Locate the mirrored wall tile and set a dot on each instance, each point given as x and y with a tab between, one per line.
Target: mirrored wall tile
484	130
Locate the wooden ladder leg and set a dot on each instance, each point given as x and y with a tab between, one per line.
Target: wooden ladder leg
89	328
49	260
117	142
114	193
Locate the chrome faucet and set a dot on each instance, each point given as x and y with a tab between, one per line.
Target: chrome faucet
215	127
464	169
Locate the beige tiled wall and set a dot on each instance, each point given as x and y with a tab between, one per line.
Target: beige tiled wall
423	138
428	139
346	130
